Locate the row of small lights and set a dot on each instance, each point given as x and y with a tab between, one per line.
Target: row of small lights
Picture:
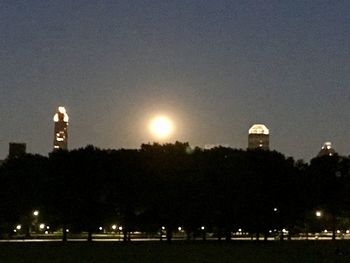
41	226
114	227
120	228
181	229
338	231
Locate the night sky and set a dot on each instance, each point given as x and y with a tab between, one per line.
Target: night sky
215	67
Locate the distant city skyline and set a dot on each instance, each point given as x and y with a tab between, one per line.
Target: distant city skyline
258	137
213	67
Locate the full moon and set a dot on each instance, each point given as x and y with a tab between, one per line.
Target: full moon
161	127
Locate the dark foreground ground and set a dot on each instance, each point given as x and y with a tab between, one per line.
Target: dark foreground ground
117	252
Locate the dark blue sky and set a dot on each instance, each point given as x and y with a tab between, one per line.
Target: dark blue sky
216	67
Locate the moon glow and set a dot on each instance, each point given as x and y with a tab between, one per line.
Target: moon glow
161	127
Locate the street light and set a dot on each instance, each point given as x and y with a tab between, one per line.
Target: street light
33	222
318	213
204	232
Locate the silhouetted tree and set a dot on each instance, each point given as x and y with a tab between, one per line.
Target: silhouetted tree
329	177
23	184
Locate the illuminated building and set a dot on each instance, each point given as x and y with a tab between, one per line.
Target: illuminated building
258	137
326	150
16	149
61	132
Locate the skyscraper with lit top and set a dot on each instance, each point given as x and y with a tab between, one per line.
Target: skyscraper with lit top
258	137
326	150
61	133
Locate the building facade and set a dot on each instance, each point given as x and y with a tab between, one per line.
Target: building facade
258	137
61	129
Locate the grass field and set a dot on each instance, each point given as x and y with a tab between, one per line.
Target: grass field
117	252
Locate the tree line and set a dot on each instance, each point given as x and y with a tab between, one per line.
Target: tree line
175	185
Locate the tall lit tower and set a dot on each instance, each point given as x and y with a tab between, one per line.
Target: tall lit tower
258	137
61	133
